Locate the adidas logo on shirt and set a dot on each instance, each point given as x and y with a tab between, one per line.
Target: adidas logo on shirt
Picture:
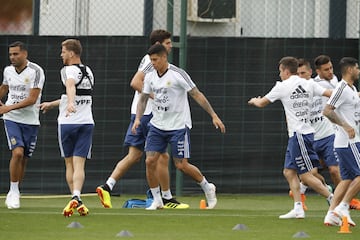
299	92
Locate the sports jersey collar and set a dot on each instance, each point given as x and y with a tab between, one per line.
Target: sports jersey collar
163	72
23	68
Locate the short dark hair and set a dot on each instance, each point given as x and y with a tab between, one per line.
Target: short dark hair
19	44
321	60
304	62
347	62
159	35
157	49
72	44
290	63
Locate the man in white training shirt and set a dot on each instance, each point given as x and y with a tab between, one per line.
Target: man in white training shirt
171	122
343	109
23	82
75	121
296	95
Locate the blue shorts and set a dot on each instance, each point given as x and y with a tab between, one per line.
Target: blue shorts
75	140
179	140
138	139
21	135
349	161
300	154
325	150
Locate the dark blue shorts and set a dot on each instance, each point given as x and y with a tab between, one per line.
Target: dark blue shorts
75	140
179	140
21	135
300	154
325	150
138	139
349	161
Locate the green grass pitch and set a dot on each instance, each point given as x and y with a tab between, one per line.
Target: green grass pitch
40	218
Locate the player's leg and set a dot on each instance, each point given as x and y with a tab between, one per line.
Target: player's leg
180	146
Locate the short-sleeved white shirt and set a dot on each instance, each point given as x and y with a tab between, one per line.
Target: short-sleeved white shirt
296	95
346	101
19	88
145	66
171	110
322	125
83	104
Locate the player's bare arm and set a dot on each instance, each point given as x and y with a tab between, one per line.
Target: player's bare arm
45	106
335	118
259	102
204	103
143	99
4	89
70	92
30	100
137	82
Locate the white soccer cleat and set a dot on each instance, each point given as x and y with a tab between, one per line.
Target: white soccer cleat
211	197
155	205
293	214
12	200
331	219
340	212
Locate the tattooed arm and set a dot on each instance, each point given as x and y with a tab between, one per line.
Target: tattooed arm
335	118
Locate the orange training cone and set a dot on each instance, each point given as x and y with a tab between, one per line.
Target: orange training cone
344	226
202	204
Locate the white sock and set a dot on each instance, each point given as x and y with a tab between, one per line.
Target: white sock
76	193
166	194
14	187
156	193
303	188
344	205
204	184
298	206
111	183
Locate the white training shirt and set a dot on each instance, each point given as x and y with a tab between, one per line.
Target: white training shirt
296	95
171	110
19	88
83	104
322	125
145	66
346	101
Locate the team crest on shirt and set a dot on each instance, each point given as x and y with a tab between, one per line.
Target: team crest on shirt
26	80
13	141
168	83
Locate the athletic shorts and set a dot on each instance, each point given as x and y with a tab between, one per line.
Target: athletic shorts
21	135
349	161
325	150
300	154
179	140
138	139
75	140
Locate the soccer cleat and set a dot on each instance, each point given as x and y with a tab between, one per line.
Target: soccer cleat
331	219
174	204
82	209
303	199
340	212
70	208
12	200
104	196
155	205
293	214
355	204
211	197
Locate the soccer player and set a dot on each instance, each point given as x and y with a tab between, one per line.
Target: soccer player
23	82
296	95
171	122
343	109
136	141
75	121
